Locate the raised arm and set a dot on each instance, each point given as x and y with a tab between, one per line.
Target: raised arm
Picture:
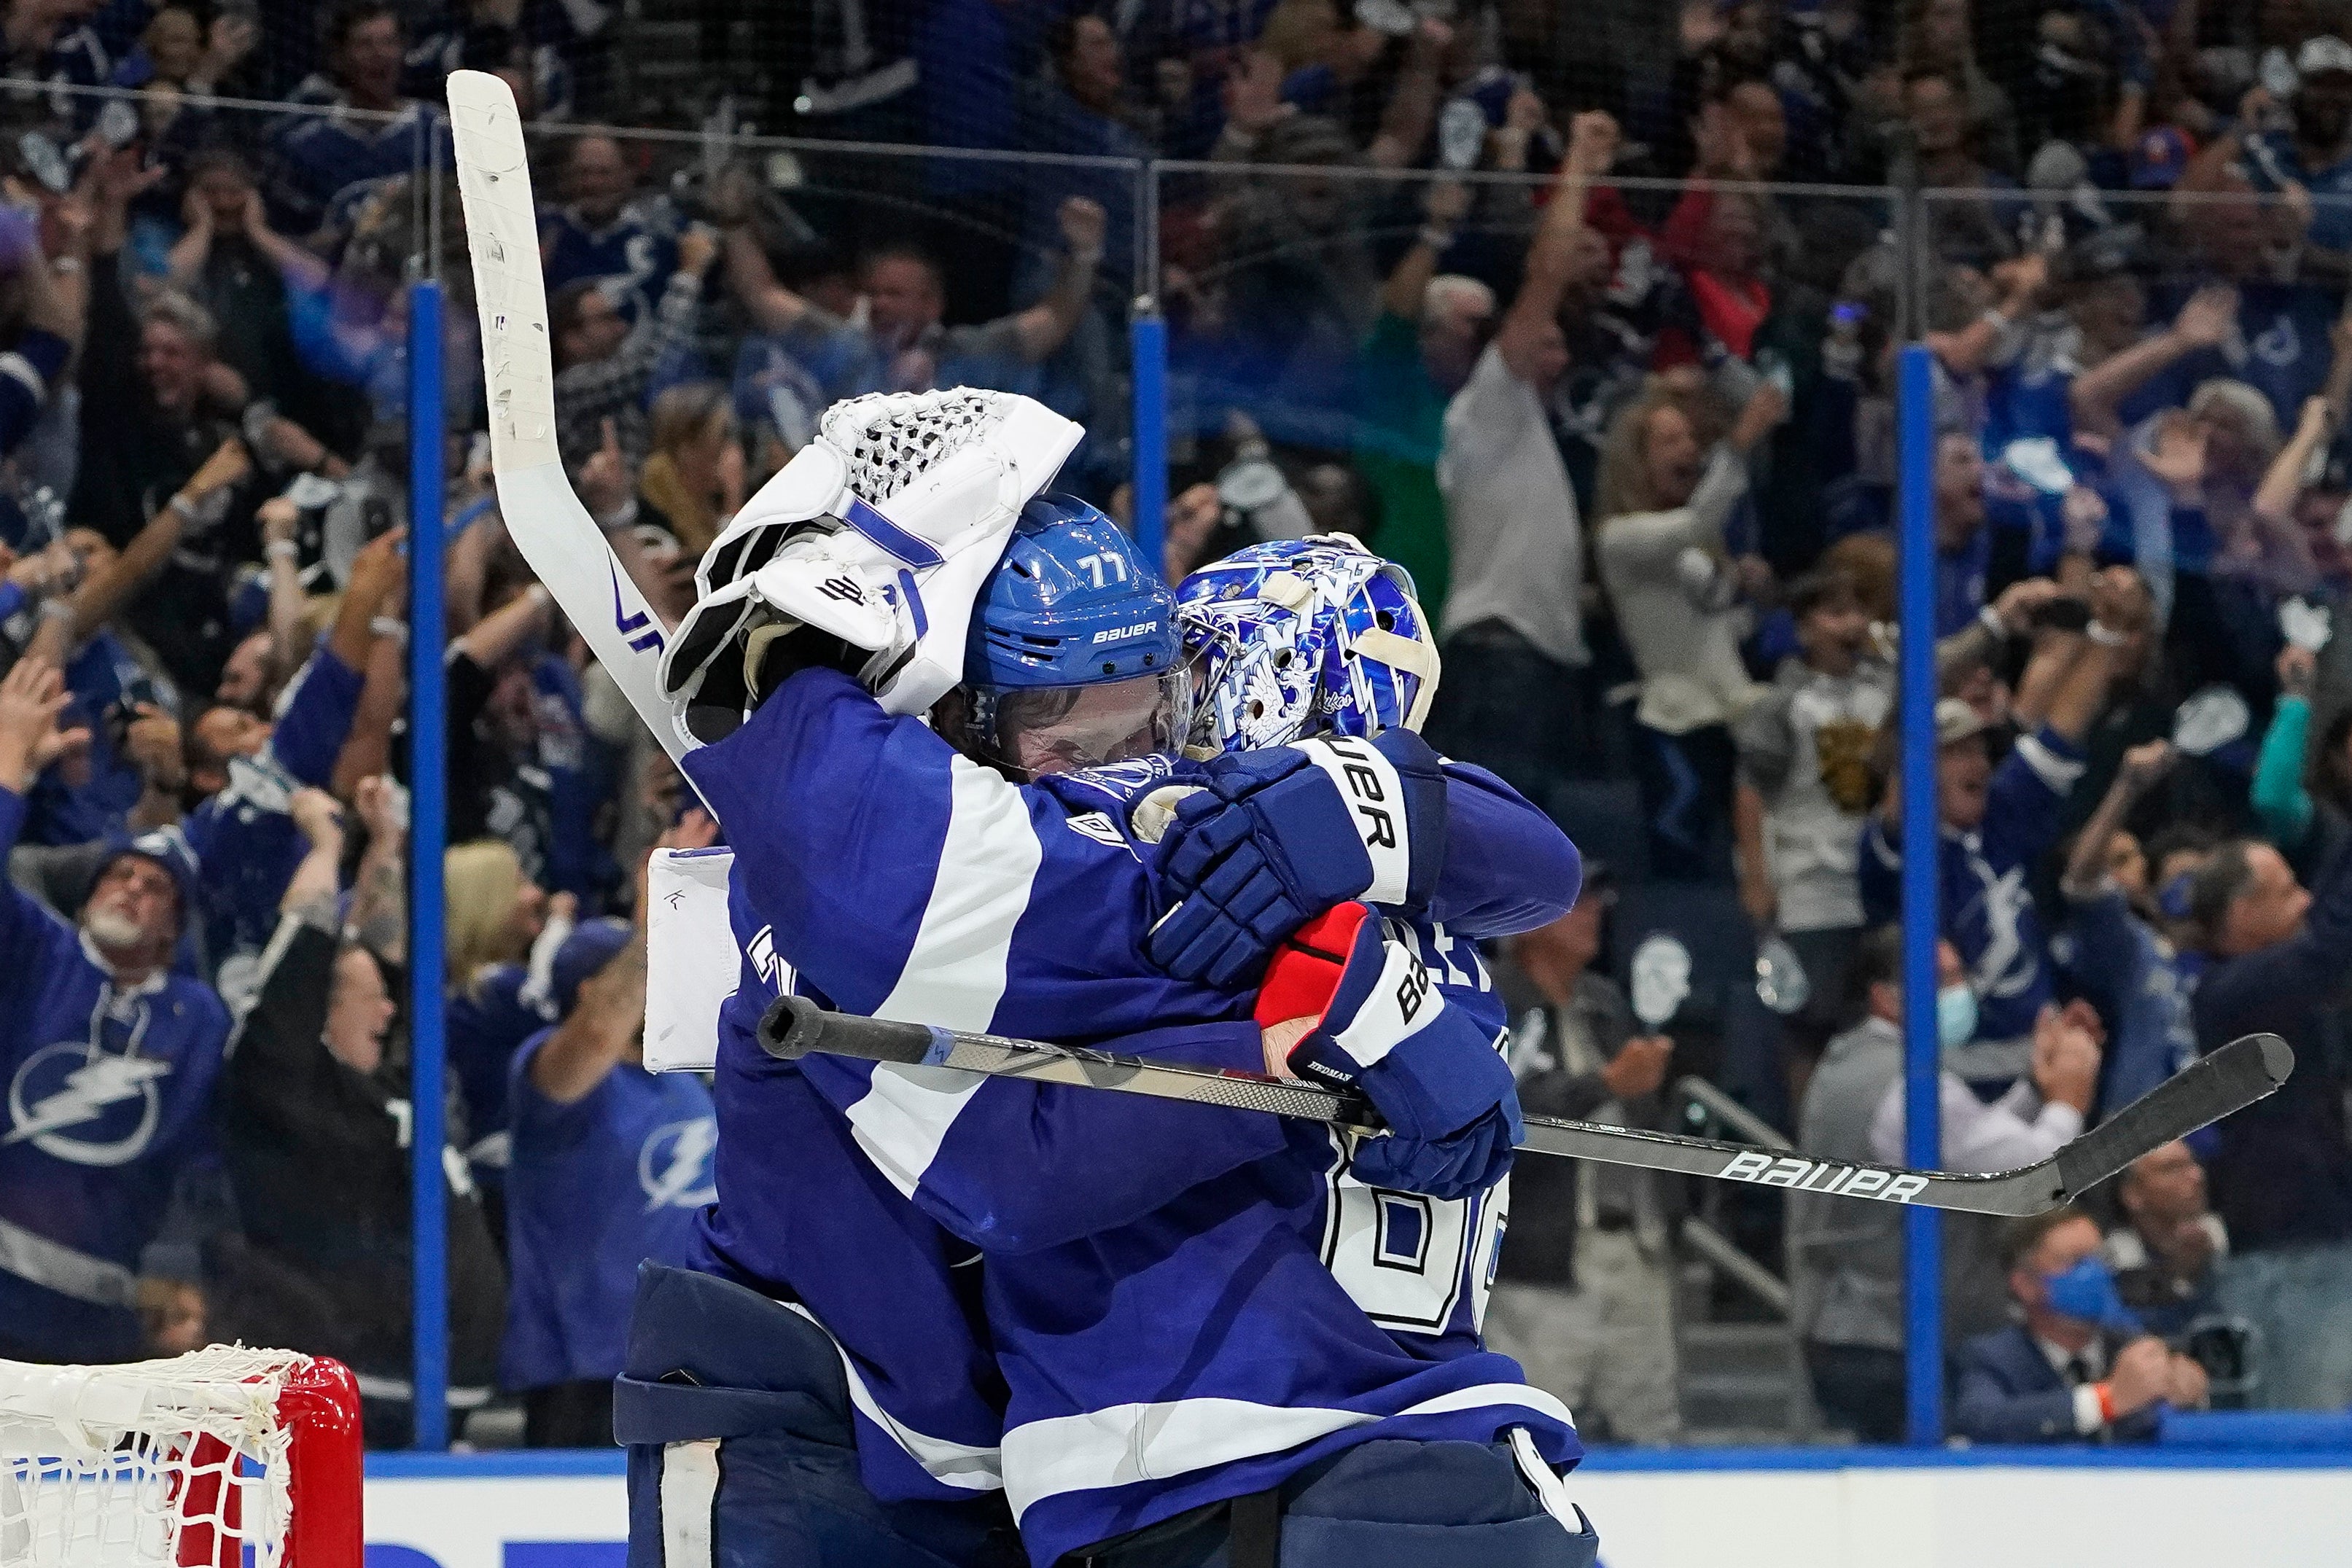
2281	804
1412	103
1992	335
771	304
298	265
98	599
1445	204
379	911
379	575
194	247
383	690
32	696
604	1021
1045	326
507	628
278	518
1593	146
315	893
2086	868
2281	484
2203	323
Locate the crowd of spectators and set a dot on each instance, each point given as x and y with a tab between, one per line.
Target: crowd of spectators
1426	280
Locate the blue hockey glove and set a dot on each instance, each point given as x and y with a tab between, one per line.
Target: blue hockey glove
1277	837
1374	1022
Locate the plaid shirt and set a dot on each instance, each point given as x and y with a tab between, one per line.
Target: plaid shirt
589	394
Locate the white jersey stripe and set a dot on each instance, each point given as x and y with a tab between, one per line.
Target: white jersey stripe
954	974
950	1464
955	971
1127	1443
904	1116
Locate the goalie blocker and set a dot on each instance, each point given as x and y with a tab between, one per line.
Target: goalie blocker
2227	1081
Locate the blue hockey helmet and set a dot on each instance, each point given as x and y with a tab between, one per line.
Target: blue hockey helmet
1074	659
1300	637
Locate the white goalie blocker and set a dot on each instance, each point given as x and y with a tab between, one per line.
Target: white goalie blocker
882	531
690	949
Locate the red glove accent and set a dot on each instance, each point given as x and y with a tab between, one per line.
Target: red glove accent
1306	968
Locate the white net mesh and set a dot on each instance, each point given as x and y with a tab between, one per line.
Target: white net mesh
889	438
162	1463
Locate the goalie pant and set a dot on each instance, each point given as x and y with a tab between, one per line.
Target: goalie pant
837	1166
721	1382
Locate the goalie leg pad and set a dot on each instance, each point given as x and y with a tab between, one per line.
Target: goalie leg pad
1387	1504
742	1446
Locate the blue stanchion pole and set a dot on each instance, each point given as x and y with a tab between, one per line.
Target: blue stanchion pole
1923	1233
428	836
1148	347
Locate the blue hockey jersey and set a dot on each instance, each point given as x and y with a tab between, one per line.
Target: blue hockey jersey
594	1189
247	846
629	258
903	881
490	1018
108	1090
1989	912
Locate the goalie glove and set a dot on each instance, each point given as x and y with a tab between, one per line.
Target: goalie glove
1350	1004
903	504
1278	837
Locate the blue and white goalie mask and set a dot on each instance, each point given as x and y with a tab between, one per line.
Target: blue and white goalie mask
1072	659
1302	637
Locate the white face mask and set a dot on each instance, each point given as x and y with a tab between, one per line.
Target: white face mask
1955	1016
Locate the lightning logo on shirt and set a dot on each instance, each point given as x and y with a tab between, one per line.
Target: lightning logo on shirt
674	1166
64	1086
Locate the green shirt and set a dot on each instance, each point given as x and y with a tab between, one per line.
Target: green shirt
1400	426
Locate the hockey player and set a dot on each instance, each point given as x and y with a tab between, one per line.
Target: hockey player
1285	1357
911	882
111	1059
986	967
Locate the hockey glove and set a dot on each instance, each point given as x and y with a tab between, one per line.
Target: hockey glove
1374	1022
1278	837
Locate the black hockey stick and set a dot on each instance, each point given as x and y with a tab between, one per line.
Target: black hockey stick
2231	1079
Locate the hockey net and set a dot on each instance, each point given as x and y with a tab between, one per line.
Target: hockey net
219	1459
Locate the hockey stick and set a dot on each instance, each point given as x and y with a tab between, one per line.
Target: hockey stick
543	516
2229	1080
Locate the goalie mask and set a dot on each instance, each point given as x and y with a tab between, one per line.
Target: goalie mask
1072	659
1302	637
880	533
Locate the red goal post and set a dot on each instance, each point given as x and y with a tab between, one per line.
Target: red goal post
181	1463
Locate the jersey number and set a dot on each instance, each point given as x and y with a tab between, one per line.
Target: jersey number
1104	569
1406	1258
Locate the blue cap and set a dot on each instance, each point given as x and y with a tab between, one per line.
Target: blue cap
168	847
1072	603
589	948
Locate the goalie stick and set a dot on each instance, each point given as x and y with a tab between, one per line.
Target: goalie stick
543	516
2229	1080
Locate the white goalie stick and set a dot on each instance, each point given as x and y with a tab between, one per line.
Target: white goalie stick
543	516
2229	1080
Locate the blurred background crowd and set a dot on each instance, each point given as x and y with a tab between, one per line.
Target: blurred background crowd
1586	314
